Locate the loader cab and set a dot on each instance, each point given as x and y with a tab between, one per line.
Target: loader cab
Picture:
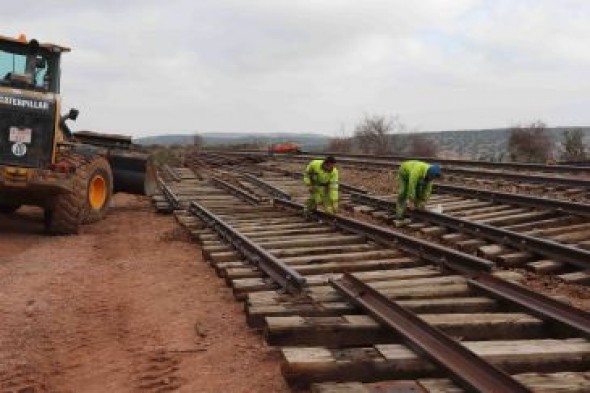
29	102
30	65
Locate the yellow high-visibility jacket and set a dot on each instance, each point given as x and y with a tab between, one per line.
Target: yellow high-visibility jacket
413	172
314	175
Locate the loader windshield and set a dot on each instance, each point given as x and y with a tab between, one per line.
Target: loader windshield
18	68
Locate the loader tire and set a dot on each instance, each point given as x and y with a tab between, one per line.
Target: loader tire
64	214
8	209
99	190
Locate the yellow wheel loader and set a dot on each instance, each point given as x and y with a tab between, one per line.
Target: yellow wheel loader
72	176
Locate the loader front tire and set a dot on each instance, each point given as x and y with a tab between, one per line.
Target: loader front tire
64	214
99	190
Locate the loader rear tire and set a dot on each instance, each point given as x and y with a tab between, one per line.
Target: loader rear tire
8	209
64	214
99	190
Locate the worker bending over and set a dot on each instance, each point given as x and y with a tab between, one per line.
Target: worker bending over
321	179
414	184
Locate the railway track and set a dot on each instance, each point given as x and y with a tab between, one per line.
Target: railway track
542	240
555	185
322	291
581	168
540	234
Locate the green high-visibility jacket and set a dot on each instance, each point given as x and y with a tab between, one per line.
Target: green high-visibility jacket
413	173
314	175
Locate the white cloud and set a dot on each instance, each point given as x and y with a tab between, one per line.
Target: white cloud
147	67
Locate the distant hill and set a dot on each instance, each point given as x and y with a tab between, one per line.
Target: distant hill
307	141
488	144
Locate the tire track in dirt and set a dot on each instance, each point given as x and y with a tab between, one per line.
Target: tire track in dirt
115	310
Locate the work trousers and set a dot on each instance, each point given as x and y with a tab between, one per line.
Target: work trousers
319	195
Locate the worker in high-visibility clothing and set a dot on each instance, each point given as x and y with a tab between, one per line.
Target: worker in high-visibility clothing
414	184
321	179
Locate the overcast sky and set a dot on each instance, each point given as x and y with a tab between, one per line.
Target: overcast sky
315	66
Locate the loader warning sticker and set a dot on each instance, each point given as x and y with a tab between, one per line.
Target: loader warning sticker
19	149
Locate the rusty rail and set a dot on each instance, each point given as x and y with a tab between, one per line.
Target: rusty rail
465	367
542	306
545	247
290	280
235	191
171	173
272	190
431	252
386	164
580	209
172	199
572	167
470	266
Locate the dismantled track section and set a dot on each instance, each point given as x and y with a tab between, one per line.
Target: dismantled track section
328	339
508	244
544	235
581	169
559	185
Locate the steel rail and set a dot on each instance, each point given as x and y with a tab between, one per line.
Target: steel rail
580	209
350	189
558	168
543	307
171	173
287	278
272	190
170	196
431	252
548	248
238	192
470	266
466	368
562	181
573	167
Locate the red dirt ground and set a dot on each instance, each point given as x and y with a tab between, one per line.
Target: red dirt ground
127	306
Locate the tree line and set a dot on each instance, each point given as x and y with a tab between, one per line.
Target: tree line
381	135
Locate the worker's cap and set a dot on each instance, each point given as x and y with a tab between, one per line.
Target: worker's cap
434	171
330	160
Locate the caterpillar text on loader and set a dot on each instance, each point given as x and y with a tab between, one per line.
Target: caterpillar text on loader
72	176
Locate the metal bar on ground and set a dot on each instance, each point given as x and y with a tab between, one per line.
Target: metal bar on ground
542	306
434	253
384	164
272	190
171	173
551	249
238	192
582	167
580	209
468	265
169	194
290	280
559	168
466	368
